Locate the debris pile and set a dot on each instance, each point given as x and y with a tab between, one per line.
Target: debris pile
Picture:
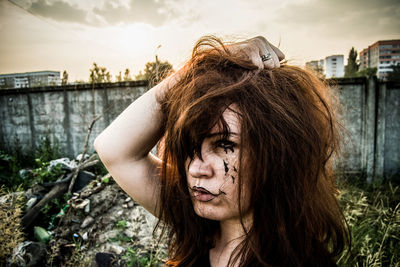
104	222
99	225
95	222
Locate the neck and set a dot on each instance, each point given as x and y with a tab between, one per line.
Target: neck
232	232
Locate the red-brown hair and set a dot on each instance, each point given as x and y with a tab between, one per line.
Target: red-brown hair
288	135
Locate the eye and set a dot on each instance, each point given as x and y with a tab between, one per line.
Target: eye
226	145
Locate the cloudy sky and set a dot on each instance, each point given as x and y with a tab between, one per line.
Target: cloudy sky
117	34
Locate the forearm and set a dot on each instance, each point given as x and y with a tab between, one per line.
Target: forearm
136	130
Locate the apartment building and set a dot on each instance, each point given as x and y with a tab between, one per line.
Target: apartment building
381	55
316	65
331	66
334	66
30	79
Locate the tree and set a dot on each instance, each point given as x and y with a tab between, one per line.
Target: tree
99	74
395	74
155	71
118	78
64	80
367	72
351	68
127	76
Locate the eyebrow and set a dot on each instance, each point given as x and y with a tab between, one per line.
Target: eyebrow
220	134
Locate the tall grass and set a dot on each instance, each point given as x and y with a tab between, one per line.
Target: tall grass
373	215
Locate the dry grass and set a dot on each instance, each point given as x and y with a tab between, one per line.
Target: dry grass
373	214
10	224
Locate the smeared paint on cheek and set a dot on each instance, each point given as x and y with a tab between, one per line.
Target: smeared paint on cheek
226	167
230	148
230	169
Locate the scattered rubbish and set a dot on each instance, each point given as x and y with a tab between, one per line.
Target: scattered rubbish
65	164
24	173
41	234
87	221
79	157
28	253
78	203
105	259
83	179
84	225
31	202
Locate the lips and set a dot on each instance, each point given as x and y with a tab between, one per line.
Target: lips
202	194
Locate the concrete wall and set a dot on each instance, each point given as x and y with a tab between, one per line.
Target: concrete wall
61	113
370	114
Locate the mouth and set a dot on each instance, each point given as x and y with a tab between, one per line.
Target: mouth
203	195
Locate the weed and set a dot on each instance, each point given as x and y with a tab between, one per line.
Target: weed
47	150
13	176
120	238
9	173
54	210
122	224
44	174
132	258
373	215
10	224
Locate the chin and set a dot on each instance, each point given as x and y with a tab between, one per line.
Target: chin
214	213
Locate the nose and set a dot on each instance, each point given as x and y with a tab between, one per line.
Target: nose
200	168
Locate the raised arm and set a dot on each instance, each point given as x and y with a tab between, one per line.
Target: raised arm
124	146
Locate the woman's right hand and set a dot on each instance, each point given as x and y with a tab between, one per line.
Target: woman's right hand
259	51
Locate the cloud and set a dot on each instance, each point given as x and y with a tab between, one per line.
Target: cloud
59	11
100	13
145	11
345	18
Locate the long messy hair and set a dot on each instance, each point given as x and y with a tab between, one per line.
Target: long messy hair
288	136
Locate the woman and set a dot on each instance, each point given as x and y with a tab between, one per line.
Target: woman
244	177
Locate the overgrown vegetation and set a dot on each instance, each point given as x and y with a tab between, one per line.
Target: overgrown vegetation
373	215
20	170
11	233
132	258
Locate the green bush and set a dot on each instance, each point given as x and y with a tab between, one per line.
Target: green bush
12	162
47	150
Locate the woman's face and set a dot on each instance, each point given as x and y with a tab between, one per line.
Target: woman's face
212	181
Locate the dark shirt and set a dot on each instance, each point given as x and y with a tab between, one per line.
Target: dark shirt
203	261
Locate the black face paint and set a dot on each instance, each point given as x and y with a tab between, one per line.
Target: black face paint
226	167
226	148
234	169
221	192
233	179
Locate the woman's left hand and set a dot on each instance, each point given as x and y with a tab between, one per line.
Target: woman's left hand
260	52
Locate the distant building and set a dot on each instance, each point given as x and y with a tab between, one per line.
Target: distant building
381	55
334	66
30	79
316	65
331	66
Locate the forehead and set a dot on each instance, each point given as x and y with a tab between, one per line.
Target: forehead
232	119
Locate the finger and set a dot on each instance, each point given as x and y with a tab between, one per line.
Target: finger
257	60
278	52
269	55
271	59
